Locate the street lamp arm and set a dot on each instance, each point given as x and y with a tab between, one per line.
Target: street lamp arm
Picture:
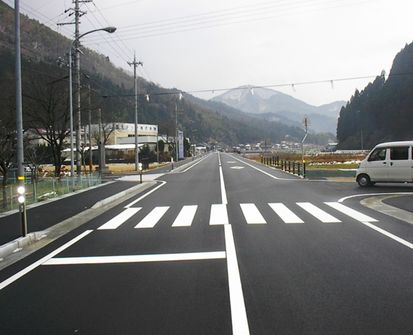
107	29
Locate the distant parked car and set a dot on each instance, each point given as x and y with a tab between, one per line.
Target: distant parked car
387	162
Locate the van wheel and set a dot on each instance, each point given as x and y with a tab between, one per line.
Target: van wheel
364	180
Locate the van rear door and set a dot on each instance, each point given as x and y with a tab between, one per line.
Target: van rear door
400	164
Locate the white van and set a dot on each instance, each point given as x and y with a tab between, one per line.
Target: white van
387	162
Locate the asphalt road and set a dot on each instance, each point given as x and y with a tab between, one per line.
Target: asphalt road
224	246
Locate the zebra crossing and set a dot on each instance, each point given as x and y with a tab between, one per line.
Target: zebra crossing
251	213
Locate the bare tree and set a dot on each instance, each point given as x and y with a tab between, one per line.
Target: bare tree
48	115
7	149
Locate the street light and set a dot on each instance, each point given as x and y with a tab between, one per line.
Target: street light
19	122
78	121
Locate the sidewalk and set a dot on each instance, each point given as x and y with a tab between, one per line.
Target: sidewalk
45	215
59	215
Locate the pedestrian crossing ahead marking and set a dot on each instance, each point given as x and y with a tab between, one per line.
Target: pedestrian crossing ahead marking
251	214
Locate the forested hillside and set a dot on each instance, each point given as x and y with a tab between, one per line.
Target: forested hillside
383	111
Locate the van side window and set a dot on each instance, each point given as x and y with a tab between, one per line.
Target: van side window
399	153
378	155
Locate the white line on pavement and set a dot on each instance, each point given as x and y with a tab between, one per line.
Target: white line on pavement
351	212
219	215
222	182
185	216
318	212
137	258
31	267
236	296
252	214
146	194
153	217
285	213
386	233
119	219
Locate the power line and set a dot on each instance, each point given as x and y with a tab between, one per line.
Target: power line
117	51
166	27
252	87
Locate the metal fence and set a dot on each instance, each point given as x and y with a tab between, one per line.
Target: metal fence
293	167
45	188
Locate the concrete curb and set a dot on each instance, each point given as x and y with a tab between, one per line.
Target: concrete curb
21	247
377	204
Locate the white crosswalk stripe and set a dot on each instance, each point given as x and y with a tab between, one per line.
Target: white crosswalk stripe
153	217
252	214
351	212
119	219
219	215
185	216
284	213
318	212
250	211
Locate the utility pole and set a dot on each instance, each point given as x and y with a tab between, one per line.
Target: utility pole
90	133
135	64
78	14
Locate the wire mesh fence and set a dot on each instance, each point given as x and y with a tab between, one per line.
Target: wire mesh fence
45	188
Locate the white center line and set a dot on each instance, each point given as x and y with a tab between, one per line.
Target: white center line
153	217
238	313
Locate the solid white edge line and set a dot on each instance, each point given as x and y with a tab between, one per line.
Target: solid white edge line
390	235
31	267
266	173
195	164
137	258
146	194
236	296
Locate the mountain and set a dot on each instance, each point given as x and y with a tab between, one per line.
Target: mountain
383	111
276	106
112	92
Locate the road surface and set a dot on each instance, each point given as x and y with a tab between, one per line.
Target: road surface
224	246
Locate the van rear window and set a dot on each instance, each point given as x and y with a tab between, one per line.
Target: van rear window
399	153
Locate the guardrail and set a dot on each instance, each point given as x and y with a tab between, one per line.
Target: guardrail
294	167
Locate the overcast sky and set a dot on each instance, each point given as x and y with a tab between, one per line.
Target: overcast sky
212	44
